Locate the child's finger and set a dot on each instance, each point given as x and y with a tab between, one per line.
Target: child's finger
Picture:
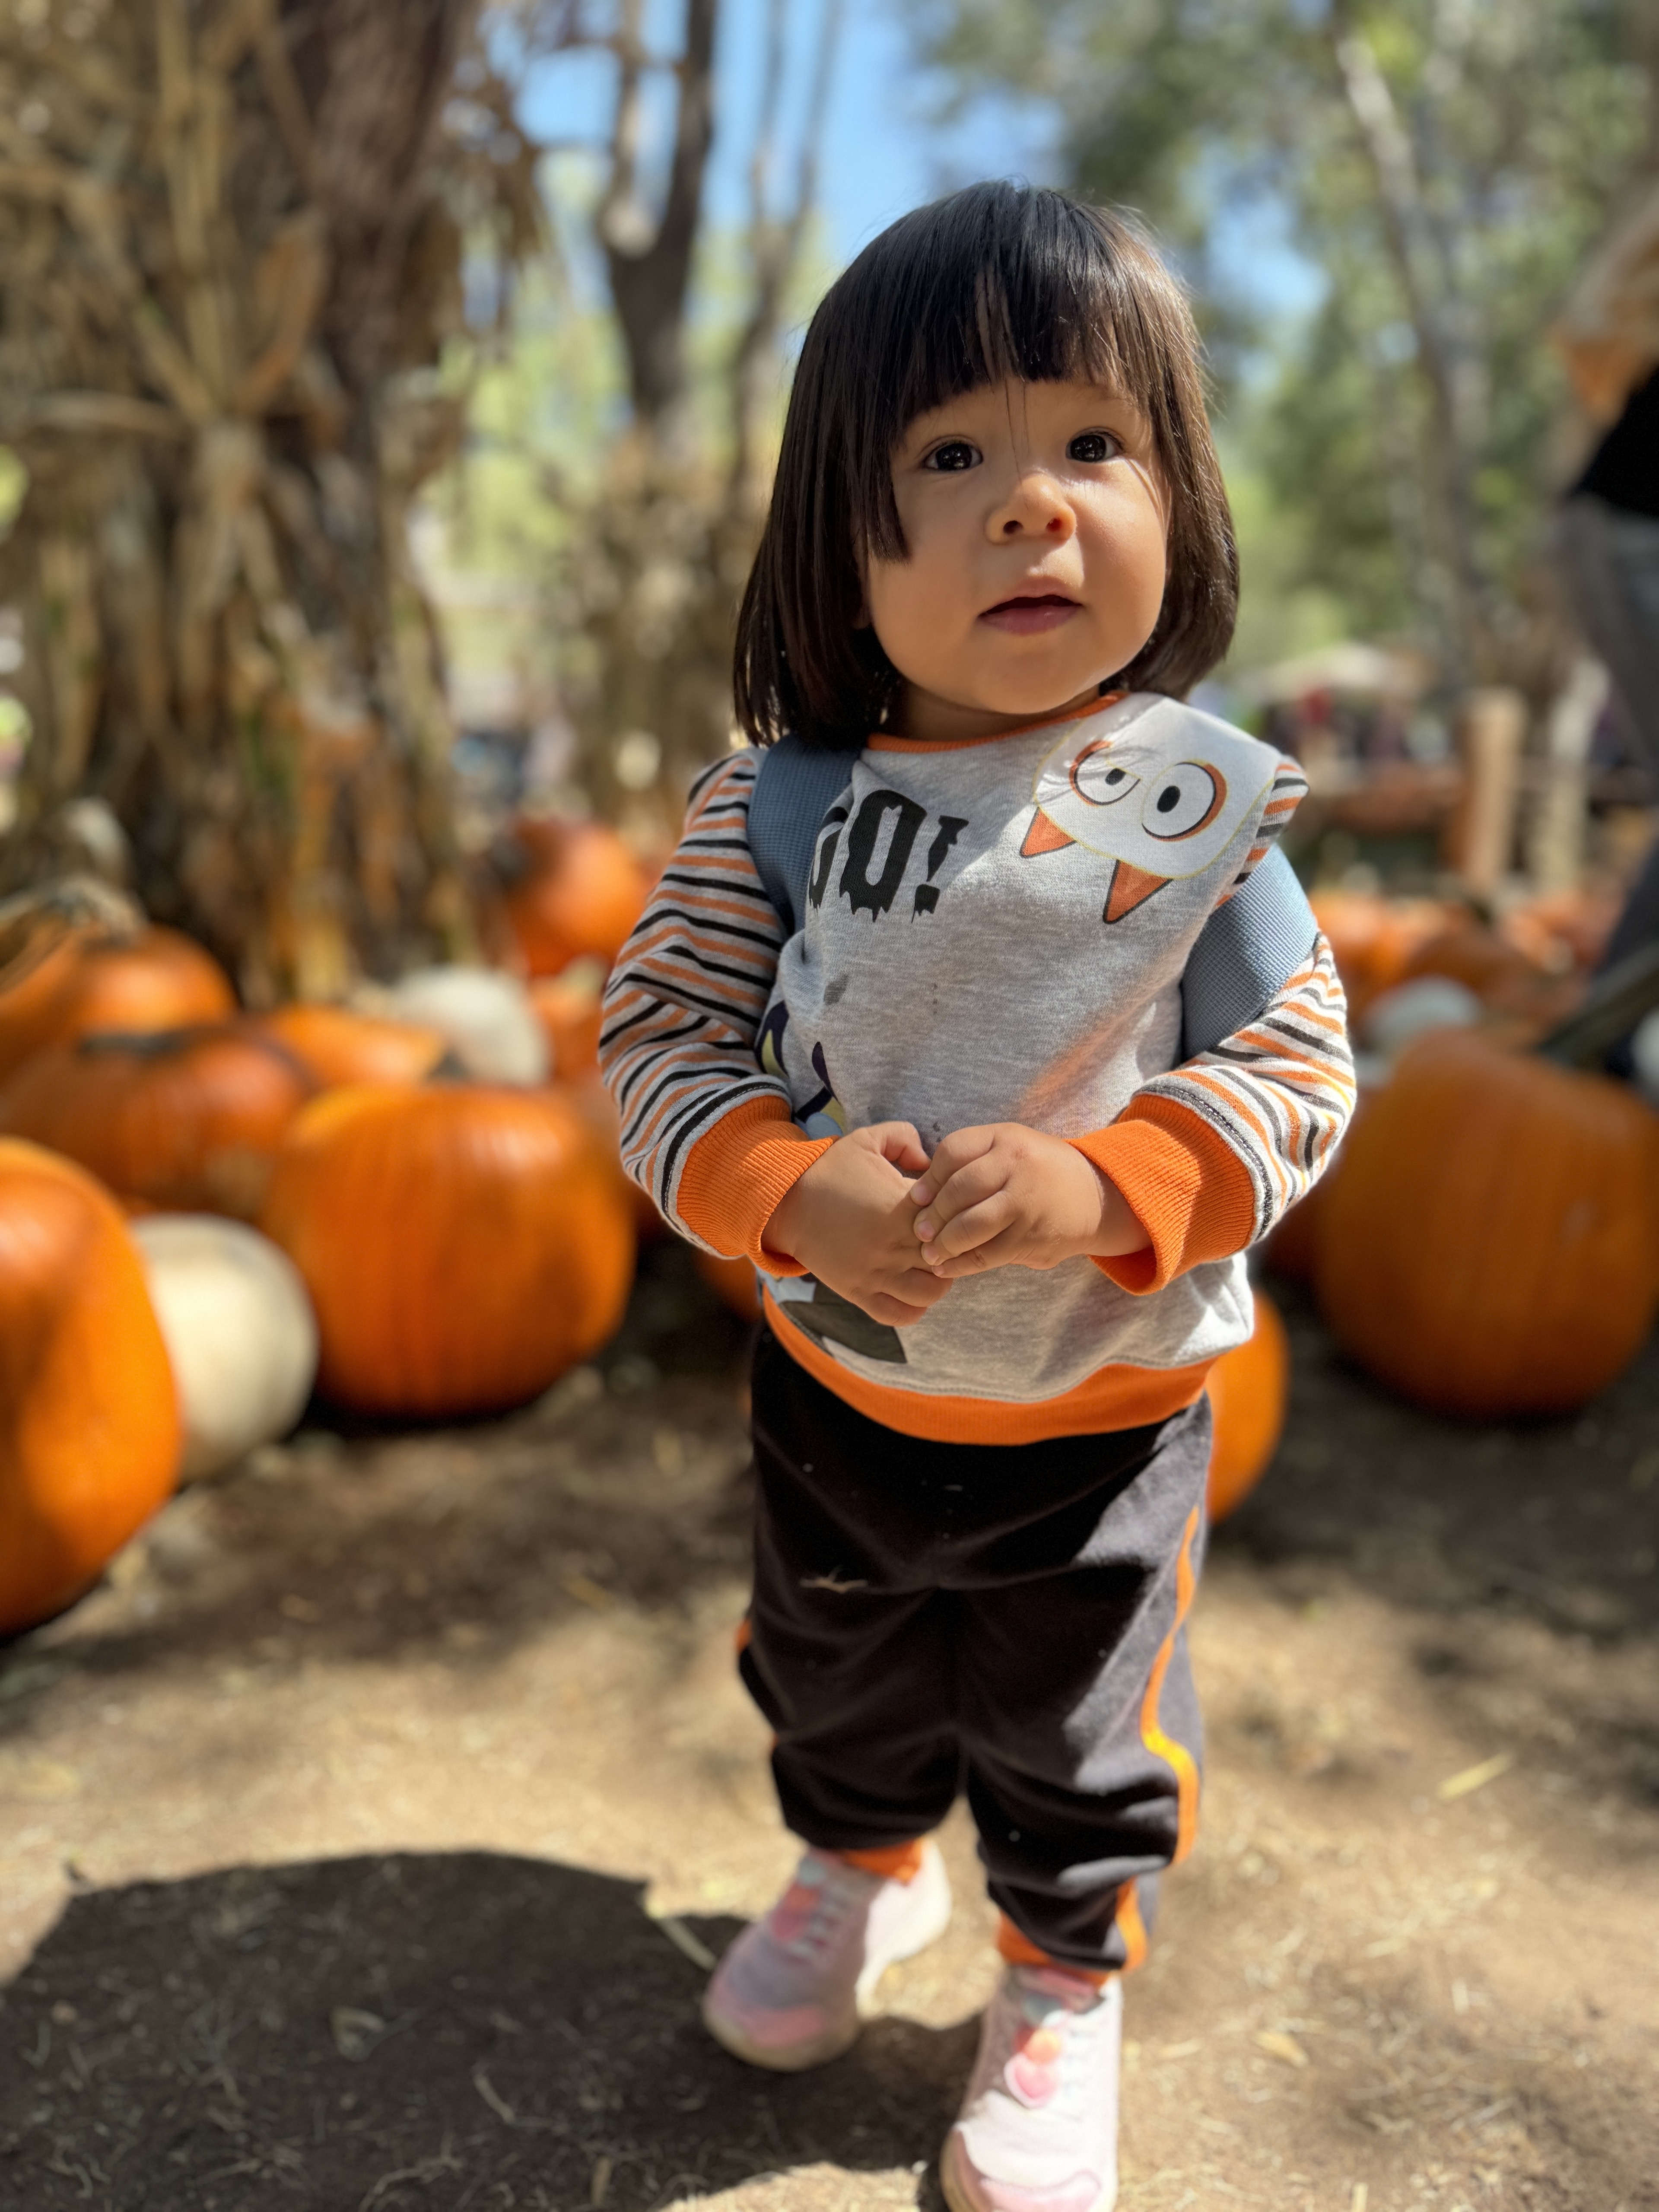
1001	1250
901	1144
952	1153
969	1186
904	1311
969	1230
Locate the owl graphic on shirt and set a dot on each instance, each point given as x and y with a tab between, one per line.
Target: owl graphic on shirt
1155	787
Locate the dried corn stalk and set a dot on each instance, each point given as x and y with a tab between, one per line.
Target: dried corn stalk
231	299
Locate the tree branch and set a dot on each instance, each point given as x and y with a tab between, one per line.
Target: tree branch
774	246
1389	152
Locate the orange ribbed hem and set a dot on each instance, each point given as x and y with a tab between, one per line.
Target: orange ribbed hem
1111	1398
892	1862
1184	1183
1019	1951
738	1173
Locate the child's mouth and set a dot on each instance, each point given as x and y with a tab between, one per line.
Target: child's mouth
1028	617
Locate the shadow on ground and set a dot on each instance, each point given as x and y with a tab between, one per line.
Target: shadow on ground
447	2031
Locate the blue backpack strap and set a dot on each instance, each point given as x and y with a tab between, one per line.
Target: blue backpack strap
1246	953
795	787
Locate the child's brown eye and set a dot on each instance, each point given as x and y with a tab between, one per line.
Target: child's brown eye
1093	446
948	459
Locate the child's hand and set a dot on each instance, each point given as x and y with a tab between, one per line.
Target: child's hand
1005	1196
849	1222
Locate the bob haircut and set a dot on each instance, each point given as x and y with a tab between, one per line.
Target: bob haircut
1000	281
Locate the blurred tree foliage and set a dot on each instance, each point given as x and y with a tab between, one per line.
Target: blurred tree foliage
1444	165
247	251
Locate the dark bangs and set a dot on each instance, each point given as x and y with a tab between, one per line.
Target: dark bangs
999	282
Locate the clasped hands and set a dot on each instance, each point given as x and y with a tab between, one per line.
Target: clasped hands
891	1230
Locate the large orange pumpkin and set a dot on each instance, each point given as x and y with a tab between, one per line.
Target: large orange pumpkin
463	1245
70	983
337	1046
1249	1388
593	1101
1373	938
1499	974
186	1119
1490	1246
89	1434
578	894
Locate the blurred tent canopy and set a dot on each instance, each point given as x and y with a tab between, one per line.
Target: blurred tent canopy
246	249
1443	167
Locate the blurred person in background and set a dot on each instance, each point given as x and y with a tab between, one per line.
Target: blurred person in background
1607	534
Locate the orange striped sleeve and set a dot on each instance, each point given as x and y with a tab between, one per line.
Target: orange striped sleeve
1290	789
1209	1157
704	1128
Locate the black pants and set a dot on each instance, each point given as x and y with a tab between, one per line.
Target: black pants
928	1617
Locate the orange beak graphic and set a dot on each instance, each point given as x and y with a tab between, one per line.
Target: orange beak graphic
1044	837
1131	887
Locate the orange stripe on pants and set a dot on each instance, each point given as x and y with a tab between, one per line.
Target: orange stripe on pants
1152	1732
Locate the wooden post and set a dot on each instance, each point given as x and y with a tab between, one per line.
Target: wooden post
1481	835
1554	833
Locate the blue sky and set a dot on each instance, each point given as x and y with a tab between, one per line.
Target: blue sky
885	148
882	151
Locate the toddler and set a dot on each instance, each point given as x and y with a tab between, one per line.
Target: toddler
995	1096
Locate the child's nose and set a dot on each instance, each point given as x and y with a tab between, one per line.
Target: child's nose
1037	504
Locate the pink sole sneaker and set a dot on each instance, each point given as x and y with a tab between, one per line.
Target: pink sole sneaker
1038	2127
789	1993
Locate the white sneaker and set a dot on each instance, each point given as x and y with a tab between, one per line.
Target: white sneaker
1038	2129
787	1994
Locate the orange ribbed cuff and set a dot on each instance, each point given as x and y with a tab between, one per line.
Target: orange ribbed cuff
737	1175
1185	1185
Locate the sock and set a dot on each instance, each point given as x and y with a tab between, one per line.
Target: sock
892	1862
1019	1951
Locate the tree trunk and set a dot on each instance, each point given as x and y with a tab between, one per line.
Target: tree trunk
1448	460
226	276
650	263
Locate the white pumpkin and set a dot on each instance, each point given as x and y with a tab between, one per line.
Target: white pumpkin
1398	1018
240	1333
488	1017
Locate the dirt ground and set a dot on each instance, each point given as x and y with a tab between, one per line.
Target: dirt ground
365	1839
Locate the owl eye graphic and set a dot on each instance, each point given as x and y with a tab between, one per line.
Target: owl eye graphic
1181	801
1099	779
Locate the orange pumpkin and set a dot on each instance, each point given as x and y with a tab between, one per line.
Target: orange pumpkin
336	1046
1502	977
186	1119
1249	1388
591	1099
463	1245
89	1433
82	980
1560	931
1491	1246
1373	938
568	1008
578	893
42	935
734	1280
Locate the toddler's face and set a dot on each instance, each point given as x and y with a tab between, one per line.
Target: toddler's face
1035	520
